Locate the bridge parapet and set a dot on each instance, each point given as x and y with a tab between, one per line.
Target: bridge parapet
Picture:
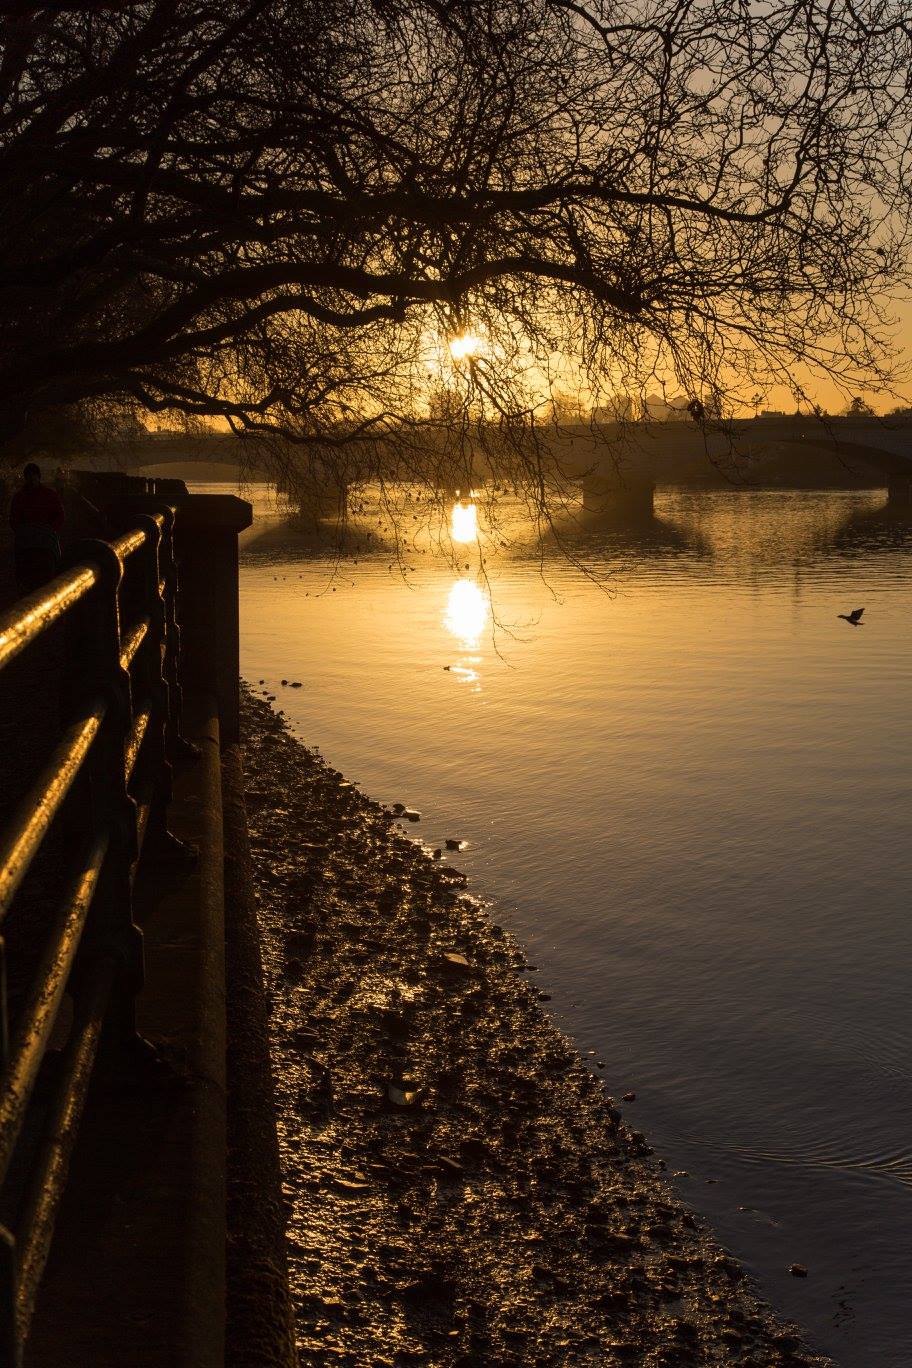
886	441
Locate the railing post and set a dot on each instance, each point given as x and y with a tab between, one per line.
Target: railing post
96	644
4	1009
126	513
205	586
178	747
148	676
10	1345
207	546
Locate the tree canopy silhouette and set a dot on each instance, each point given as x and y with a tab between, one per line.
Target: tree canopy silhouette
276	212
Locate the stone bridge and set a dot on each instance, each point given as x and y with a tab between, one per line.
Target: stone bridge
618	465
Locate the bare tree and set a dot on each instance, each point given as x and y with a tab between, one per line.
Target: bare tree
278	213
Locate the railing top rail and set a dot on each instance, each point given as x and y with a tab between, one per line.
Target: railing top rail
47	990
33	614
131	541
40	806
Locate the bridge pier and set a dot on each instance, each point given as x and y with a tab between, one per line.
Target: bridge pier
610	495
899	492
328	503
316	500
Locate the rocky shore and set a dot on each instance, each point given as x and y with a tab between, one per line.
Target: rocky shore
461	1189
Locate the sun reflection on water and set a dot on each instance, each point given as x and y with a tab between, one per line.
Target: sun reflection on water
464	522
466	613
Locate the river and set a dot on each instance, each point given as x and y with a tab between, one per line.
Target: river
684	783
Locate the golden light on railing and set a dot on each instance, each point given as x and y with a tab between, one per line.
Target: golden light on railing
464	521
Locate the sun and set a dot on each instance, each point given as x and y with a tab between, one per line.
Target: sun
466	344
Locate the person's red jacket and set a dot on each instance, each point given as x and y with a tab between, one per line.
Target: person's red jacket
37	504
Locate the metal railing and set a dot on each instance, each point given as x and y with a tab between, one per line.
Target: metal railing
106	783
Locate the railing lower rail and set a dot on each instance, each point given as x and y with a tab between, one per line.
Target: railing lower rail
106	782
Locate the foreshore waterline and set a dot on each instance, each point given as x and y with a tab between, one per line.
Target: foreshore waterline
461	1188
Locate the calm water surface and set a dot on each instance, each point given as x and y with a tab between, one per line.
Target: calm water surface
690	798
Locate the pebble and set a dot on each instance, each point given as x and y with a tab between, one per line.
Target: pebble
402	1097
349	1189
449	1165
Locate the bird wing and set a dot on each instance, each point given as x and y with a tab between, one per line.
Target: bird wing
856	614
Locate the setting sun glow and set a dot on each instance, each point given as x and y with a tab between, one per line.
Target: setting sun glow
467	344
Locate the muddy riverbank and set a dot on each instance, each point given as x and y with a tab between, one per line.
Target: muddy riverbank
461	1188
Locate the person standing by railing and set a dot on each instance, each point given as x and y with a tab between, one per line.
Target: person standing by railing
37	518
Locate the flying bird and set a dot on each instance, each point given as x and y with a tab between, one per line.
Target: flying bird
854	617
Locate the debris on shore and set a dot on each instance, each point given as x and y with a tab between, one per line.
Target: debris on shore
462	1193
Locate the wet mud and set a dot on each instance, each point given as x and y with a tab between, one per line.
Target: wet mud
461	1188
